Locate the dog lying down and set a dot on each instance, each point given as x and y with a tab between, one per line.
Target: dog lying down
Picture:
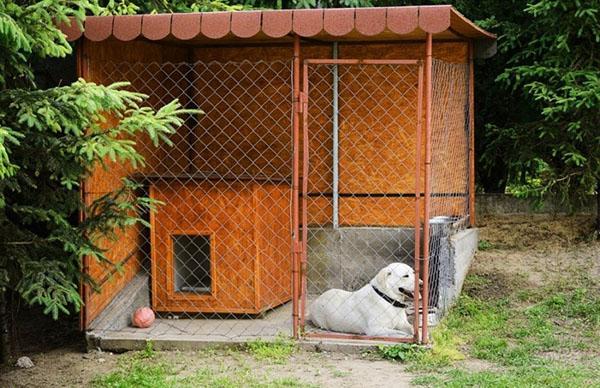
377	309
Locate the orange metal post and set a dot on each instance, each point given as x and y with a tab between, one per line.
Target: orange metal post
352	337
295	187
305	151
361	61
471	136
428	96
418	189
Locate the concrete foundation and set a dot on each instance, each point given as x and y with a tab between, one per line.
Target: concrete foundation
461	251
348	258
344	258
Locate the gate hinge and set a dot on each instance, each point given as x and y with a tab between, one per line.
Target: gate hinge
298	247
301	103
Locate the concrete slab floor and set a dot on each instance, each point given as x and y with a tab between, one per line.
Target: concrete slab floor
195	334
274	323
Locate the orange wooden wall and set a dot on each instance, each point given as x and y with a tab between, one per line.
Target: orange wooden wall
102	65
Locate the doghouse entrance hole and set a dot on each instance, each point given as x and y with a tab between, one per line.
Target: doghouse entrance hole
191	254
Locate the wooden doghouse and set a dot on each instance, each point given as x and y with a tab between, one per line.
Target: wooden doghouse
240	269
322	119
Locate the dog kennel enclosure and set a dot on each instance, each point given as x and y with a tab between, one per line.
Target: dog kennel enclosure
333	142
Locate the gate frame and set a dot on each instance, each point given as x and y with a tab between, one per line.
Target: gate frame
300	262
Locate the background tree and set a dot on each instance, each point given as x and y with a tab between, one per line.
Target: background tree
125	7
49	141
557	68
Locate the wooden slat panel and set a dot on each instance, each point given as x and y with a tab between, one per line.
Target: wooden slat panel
377	129
247	98
319	211
371	161
377	211
102	180
274	244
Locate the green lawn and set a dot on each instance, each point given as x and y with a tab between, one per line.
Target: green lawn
150	369
544	337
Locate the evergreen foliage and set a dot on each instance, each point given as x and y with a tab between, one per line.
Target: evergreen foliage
557	68
50	140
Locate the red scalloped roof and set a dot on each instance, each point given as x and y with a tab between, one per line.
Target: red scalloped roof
348	23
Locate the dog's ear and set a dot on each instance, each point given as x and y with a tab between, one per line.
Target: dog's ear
381	277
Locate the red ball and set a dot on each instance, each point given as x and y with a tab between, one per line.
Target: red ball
143	317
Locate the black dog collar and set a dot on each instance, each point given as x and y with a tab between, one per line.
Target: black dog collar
391	301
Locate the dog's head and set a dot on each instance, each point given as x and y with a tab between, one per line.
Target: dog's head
397	280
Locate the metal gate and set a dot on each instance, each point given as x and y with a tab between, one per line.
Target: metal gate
362	182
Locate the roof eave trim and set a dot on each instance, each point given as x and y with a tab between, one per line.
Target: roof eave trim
275	24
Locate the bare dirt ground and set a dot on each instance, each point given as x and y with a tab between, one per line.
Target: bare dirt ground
72	368
522	252
528	251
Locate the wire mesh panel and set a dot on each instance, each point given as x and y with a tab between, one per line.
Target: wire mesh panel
216	260
361	196
450	138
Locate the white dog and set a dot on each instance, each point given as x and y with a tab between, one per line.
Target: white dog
377	309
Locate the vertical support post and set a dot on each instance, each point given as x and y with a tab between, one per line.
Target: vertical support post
295	186
336	127
305	154
82	72
418	190
471	132
428	97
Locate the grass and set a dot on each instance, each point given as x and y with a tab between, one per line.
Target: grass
148	369
444	352
514	337
340	373
401	352
485	245
137	373
141	373
534	376
277	351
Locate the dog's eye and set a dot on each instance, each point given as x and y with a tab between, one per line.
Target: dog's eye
406	275
389	273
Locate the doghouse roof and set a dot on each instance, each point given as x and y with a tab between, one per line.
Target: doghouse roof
344	24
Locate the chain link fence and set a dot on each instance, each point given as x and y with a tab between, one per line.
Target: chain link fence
362	122
217	260
218	251
450	139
